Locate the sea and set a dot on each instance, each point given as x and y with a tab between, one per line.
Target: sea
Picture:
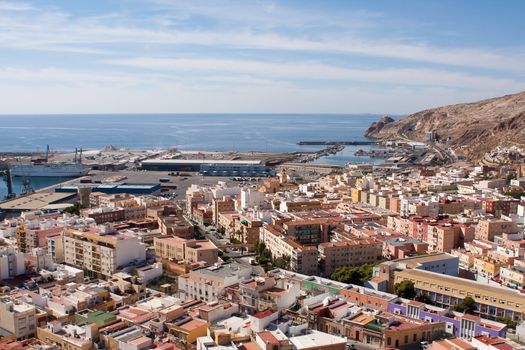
199	132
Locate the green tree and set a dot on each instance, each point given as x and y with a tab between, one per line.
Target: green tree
74	209
234	240
354	275
405	289
424	298
223	256
262	255
508	321
282	262
467	305
516	193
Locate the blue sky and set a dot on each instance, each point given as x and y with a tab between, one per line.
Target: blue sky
381	56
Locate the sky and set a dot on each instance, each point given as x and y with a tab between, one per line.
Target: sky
255	56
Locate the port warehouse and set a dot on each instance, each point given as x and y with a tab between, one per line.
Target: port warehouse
210	167
117	188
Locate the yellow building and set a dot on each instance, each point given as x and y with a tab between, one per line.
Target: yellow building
190	331
356	194
491	301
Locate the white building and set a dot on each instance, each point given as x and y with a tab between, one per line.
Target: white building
251	198
17	318
207	283
150	272
11	263
100	253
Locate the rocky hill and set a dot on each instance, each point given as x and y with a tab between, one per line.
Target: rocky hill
471	129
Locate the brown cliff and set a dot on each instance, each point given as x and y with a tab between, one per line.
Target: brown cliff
471	129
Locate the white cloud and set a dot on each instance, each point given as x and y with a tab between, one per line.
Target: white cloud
53	30
15	6
181	65
313	70
177	98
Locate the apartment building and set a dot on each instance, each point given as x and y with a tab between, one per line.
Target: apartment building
441	234
203	214
192	251
512	276
55	247
498	206
265	293
488	266
420	206
221	205
303	259
290	206
488	229
176	225
251	198
246	228
30	236
17	319
353	252
100	253
308	232
208	283
11	262
403	247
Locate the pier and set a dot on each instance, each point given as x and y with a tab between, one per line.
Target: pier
344	143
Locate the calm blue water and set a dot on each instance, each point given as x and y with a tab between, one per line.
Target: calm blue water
207	132
36	183
190	132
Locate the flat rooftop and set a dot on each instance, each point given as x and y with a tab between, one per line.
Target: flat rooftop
200	161
413	262
224	270
450	281
35	201
315	339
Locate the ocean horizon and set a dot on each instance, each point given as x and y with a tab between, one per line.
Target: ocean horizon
241	132
206	132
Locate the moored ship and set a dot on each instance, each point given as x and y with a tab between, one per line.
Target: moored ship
41	167
49	170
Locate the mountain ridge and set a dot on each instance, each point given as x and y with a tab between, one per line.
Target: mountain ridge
471	129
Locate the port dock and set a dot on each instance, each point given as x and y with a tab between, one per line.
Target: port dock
344	143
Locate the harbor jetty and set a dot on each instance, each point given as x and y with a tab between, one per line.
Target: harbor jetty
344	143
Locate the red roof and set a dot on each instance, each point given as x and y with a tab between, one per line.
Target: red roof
264	314
268	338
